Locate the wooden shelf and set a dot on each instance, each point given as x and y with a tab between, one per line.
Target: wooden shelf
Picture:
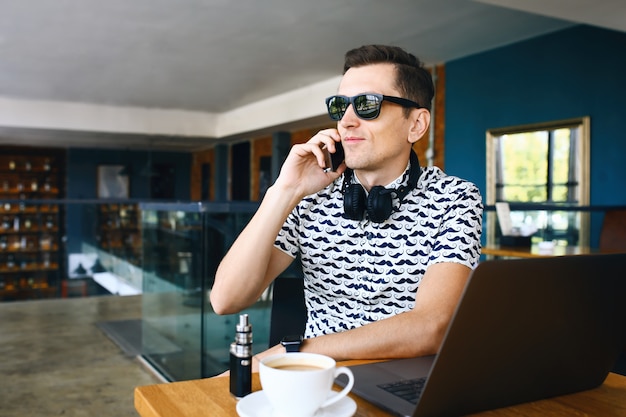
30	239
120	230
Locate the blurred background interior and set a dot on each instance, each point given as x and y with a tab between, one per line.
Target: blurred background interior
137	138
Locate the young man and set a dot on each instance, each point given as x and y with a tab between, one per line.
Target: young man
386	246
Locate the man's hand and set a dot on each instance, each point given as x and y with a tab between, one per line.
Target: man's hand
239	284
303	170
257	358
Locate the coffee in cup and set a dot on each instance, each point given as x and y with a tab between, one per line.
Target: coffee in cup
298	384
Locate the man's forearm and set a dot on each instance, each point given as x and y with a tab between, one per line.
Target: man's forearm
414	333
243	273
400	336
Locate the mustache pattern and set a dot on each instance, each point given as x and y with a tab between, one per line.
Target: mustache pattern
405	298
359	271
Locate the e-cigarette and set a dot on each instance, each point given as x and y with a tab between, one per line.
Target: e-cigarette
241	359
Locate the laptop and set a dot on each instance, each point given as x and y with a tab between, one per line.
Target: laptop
524	330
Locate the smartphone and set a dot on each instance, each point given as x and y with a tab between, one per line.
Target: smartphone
333	160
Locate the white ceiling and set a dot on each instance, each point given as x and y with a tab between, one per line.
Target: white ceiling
216	56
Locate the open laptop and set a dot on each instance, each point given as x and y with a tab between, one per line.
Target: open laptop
524	330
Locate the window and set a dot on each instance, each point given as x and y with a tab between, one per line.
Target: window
542	164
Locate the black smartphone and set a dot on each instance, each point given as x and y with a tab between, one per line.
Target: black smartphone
333	160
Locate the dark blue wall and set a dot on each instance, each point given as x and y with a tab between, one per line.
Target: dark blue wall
82	184
580	71
82	171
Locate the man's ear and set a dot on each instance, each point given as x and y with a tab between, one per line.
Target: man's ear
420	120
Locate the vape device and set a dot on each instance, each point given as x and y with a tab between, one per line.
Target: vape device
241	359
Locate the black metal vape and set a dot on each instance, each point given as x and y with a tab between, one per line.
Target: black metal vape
241	359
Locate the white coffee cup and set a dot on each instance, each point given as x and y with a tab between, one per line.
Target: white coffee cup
298	384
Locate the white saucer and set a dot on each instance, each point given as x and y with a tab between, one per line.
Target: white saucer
256	405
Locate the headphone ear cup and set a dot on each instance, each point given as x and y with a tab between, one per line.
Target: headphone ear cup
354	202
379	204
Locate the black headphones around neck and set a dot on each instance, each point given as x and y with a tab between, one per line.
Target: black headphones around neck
378	204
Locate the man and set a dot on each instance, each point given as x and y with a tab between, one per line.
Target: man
365	249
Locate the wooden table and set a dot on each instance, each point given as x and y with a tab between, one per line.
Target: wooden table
210	397
534	251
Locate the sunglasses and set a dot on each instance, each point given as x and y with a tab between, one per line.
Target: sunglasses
366	106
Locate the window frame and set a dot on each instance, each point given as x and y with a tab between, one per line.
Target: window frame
582	161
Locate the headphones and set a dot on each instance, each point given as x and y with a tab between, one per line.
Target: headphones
378	204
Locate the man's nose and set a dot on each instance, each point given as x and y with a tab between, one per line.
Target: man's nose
349	117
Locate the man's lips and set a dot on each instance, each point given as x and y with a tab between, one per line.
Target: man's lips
352	139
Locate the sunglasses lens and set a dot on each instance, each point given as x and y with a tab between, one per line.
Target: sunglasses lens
367	106
337	106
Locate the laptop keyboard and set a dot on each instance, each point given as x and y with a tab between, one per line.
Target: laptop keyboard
408	389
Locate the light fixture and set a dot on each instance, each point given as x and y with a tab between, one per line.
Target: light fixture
80	269
97	267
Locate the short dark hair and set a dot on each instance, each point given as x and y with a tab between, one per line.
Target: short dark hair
412	79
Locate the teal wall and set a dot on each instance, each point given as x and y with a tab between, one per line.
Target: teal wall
82	184
580	71
82	171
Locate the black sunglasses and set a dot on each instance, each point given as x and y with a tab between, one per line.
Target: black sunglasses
366	106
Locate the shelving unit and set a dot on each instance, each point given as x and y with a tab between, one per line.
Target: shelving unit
30	228
120	231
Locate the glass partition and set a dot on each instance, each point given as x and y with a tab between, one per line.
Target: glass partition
560	225
182	246
167	253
